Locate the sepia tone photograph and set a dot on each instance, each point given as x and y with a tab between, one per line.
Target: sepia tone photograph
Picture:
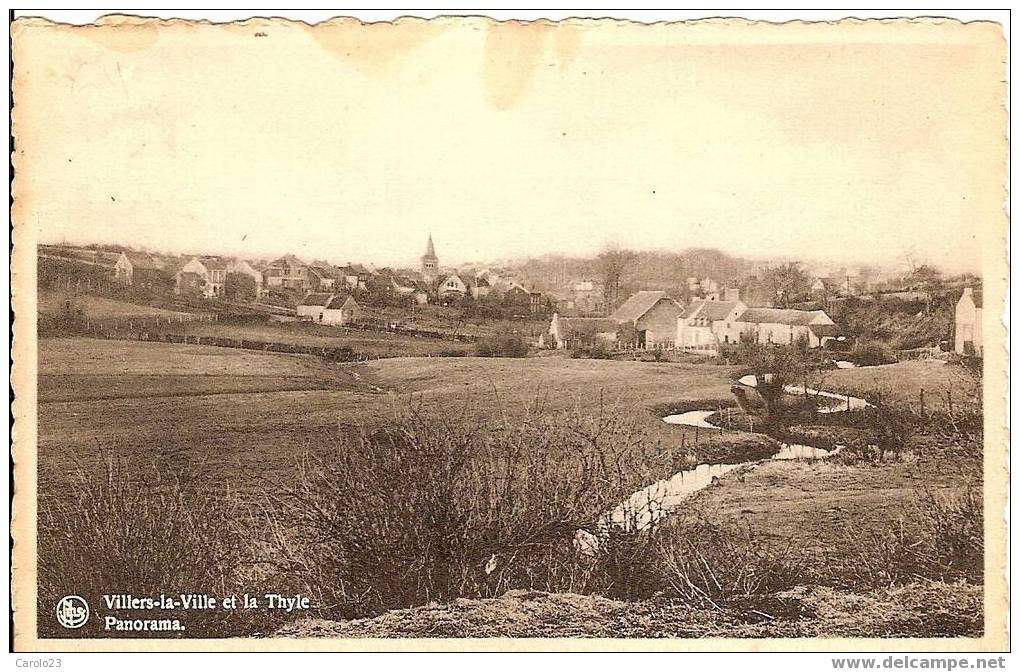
484	332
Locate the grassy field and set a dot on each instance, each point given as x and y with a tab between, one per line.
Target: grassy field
243	421
52	303
903	381
247	415
372	343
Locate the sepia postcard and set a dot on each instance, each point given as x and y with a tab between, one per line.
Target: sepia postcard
462	333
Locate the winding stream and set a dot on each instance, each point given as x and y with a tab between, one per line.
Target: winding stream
652	502
846	402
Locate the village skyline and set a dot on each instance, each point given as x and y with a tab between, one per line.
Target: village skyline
904	264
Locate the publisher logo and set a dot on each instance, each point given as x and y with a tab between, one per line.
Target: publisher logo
72	611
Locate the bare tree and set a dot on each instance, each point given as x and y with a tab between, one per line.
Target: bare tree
788	283
614	264
774	367
926	279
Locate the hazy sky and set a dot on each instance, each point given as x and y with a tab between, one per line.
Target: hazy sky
354	142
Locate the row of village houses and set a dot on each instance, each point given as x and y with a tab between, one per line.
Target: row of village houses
655	320
207	276
704	326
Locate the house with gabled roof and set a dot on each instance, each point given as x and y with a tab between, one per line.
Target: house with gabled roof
242	267
787	326
653	313
705	325
341	310
452	285
287	272
320	279
203	275
312	305
967	338
581	332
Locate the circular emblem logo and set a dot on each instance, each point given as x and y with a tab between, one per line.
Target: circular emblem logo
72	611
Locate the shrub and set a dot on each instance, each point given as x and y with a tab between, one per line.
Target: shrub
725	564
503	345
437	507
598	350
946	543
871	353
163	531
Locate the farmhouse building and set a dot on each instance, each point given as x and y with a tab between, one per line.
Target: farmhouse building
967	327
575	332
653	315
453	285
201	275
480	288
313	305
319	279
786	326
287	272
242	267
123	269
708	324
340	311
149	271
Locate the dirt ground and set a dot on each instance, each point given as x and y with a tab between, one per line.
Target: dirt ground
98	307
915	610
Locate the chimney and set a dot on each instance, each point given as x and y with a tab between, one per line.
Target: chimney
732	294
967	291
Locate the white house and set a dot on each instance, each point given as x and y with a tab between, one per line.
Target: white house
320	278
341	310
206	275
967	327
123	270
313	305
708	324
452	285
242	267
786	326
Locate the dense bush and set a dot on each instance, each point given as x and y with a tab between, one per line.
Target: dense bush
871	353
158	531
502	345
598	350
439	507
708	563
946	545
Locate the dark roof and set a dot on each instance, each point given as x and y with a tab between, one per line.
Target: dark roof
316	299
144	261
576	326
711	310
288	260
340	301
639	304
213	263
780	316
820	330
321	271
481	281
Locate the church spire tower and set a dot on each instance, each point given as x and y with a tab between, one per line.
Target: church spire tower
429	261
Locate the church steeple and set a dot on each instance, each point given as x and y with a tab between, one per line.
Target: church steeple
429	261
